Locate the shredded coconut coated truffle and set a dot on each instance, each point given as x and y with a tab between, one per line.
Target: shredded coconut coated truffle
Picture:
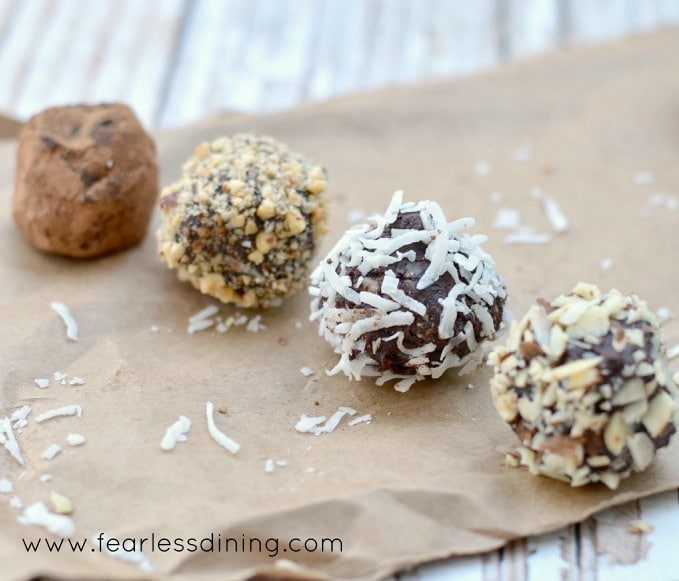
584	384
242	222
406	296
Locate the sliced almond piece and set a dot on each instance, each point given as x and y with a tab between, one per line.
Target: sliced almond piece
529	409
592	322
506	406
521	378
573	368
638	356
583	379
610	479
558	340
598	461
62	504
499	384
644	369
509	364
642	449
549	395
540	325
526	456
586	291
631	391
514	337
570	312
614	433
614	303
635	411
635	336
660	410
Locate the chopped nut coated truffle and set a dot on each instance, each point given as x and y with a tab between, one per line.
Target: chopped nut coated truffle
242	222
584	384
405	296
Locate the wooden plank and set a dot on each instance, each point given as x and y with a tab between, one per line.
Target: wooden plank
668	11
8	11
586	550
533	27
514	560
345	31
87	43
661	511
657	556
616	547
134	62
551	556
284	61
474	37
49	54
415	30
598	21
158	28
457	568
203	55
18	46
384	47
492	565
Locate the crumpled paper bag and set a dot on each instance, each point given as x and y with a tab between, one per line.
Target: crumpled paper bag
426	479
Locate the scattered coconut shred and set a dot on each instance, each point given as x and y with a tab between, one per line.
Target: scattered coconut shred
663	314
75	439
6	486
364	419
67	410
557	219
18	417
51	451
176	433
37	514
217	435
65	313
510	219
202	319
135	557
643	178
9	441
255	324
270	465
312	425
42	383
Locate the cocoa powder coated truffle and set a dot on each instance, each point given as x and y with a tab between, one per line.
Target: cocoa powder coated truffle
406	296
86	180
242	222
584	384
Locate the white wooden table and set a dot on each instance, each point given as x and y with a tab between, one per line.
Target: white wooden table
176	61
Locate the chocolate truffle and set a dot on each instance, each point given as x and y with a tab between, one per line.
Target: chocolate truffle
242	222
585	385
86	180
406	296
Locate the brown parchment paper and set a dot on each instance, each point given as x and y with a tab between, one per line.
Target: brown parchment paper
426	479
